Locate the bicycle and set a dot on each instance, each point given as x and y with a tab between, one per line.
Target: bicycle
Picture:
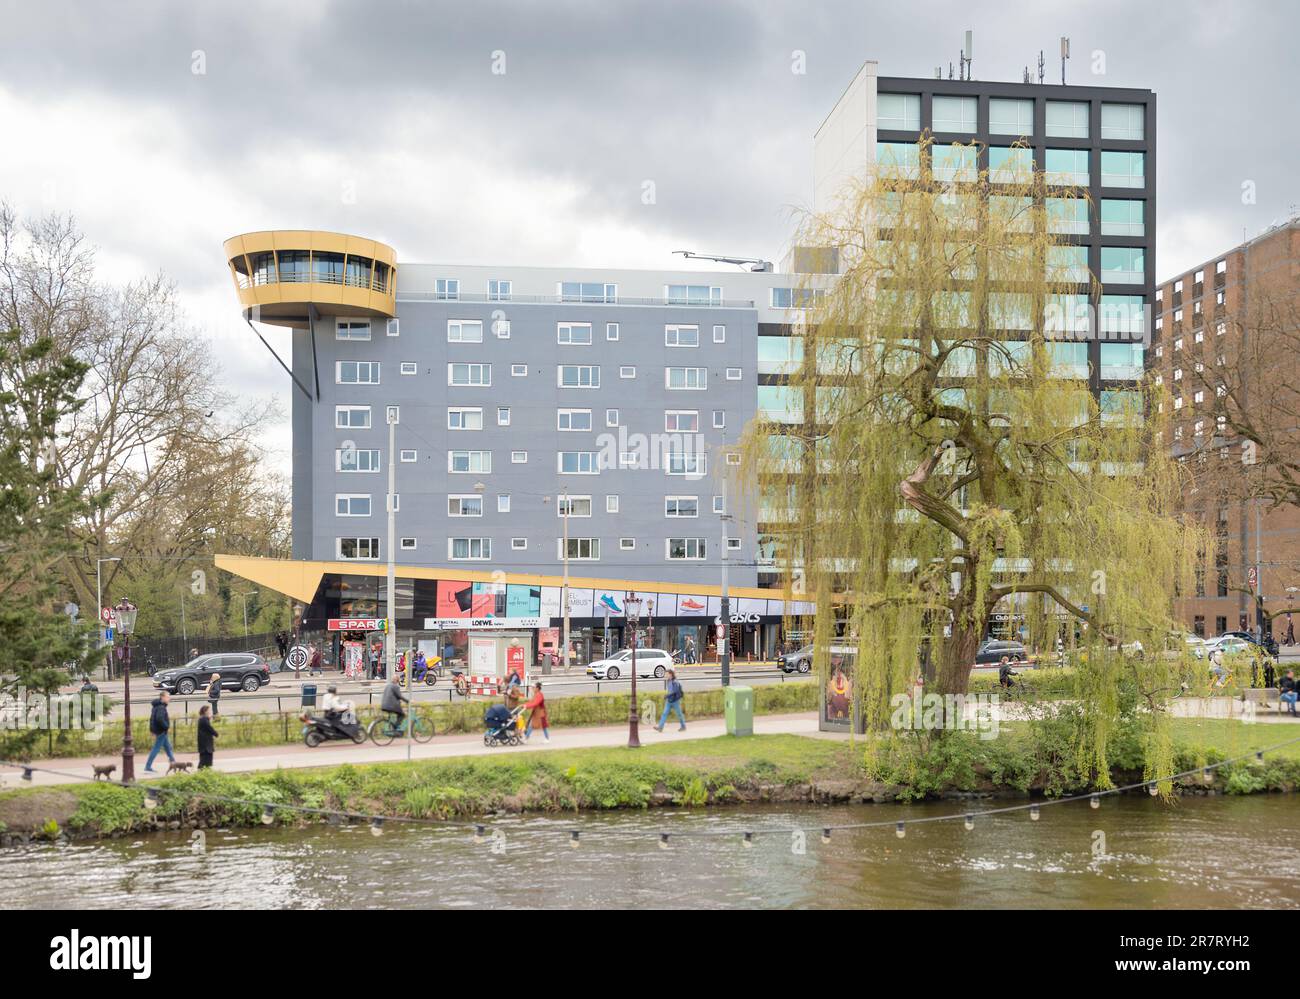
382	731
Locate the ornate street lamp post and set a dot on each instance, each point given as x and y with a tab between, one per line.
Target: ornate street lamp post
124	613
632	605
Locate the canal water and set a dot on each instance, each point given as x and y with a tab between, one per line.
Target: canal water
1132	852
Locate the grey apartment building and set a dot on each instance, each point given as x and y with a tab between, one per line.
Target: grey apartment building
618	396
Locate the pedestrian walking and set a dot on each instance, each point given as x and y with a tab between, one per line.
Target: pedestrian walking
282	643
536	706
672	702
214	692
206	735
1290	630
314	663
689	655
374	660
159	726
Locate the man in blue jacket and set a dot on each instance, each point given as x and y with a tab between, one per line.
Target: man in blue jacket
160	725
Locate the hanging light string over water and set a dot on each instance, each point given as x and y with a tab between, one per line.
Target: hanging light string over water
480	830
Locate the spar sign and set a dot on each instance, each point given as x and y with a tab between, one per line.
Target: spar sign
357	624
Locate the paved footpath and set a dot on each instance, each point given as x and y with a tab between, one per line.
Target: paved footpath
441	747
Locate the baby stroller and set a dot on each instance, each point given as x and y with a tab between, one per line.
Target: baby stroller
502	727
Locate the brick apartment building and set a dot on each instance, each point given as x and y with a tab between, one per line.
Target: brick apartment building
1225	344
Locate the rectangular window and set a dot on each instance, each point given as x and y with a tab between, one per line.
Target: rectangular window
719	334
461	418
406	454
503	416
469	549
347	459
356	372
692	294
518	371
1010	116
577	463
734	374
895	159
719	506
627	544
346	329
580	549
408	544
1122	169
611	504
1122	217
462	373
686	378
573	419
953	114
498	291
1122	313
585	291
1121	361
446	289
1067	215
681	506
578	376
1123	265
352	417
352	504
719	419
1067	119
357	549
1009	165
627	371
573	333
464	505
954	162
519	544
577	506
464	331
1067	166
409	368
469	462
901	112
611	331
611	417
503	502
682	421
501	327
691	463
681	336
518	457
1123	121
692	549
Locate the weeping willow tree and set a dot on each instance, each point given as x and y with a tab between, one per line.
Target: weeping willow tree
936	456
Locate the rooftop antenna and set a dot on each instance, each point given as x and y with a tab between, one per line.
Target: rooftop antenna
1028	78
967	52
1065	54
1041	64
938	72
950	70
754	263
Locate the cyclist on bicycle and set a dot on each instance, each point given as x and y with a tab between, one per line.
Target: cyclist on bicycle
392	702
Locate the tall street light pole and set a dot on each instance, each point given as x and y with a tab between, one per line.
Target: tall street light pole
564	589
99	609
124	613
390	636
632	607
724	626
244	597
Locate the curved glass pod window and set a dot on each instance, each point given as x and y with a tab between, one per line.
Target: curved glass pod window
294	266
380	282
356	273
242	277
327	268
263	268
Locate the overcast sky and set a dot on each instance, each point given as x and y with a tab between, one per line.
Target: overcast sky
388	120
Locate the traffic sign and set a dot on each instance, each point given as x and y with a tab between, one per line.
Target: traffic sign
105	614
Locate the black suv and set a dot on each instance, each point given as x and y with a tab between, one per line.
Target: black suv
239	671
991	653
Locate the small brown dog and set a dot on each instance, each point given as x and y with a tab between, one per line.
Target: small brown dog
104	772
178	765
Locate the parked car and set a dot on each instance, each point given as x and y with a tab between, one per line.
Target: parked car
649	662
991	653
239	671
1233	644
1269	644
796	662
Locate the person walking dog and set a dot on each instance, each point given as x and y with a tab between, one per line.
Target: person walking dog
159	725
207	735
672	702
